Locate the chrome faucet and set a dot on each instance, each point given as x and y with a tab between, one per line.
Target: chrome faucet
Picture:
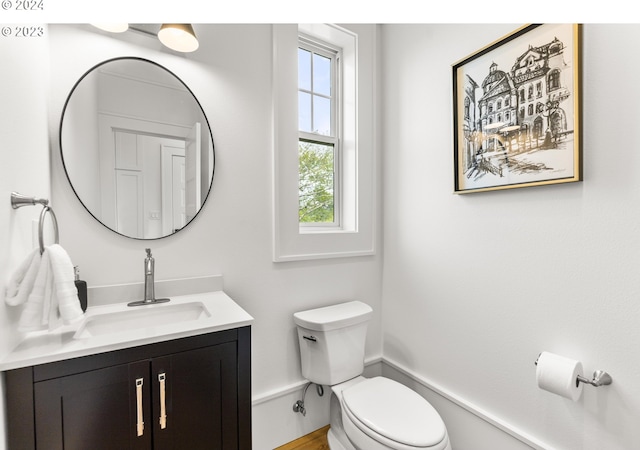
149	283
149	268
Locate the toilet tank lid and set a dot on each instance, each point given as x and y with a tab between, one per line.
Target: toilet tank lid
333	317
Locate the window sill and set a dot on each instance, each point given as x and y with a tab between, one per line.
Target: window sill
325	230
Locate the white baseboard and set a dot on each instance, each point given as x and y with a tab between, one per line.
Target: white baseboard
471	427
488	418
274	423
279	392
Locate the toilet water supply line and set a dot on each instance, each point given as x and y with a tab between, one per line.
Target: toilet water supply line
299	405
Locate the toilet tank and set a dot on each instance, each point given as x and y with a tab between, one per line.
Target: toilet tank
332	341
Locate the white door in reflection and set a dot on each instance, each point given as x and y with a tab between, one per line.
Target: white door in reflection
177	207
149	184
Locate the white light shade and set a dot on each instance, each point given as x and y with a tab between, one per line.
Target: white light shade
178	36
112	27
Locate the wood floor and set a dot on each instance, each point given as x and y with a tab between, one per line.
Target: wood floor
316	440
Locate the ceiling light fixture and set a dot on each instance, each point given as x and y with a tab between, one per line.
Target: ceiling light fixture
112	27
176	36
179	37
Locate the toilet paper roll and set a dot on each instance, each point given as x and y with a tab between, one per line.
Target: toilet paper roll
559	375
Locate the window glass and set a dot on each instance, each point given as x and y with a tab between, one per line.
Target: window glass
318	143
304	112
322	115
304	69
316	182
321	75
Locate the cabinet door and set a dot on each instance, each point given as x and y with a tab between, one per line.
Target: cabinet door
95	410
200	399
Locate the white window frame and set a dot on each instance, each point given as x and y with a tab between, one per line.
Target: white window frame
356	235
334	138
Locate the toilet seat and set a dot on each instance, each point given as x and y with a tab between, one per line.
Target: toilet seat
394	415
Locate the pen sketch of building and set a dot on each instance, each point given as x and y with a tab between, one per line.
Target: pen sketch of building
513	114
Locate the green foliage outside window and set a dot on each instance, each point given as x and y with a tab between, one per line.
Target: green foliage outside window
316	196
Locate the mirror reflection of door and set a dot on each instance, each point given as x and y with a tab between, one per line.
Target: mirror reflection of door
174	187
151	189
177	194
129	202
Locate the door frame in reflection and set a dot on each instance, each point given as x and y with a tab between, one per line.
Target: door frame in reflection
112	126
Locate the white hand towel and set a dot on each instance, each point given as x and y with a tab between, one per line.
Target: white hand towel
54	297
21	283
32	318
50	315
64	287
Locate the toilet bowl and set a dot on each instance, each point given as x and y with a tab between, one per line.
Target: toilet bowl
381	414
365	413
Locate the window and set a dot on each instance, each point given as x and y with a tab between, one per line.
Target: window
553	80
318	128
340	139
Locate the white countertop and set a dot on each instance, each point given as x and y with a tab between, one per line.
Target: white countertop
48	346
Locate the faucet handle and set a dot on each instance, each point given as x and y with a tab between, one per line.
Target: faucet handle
148	250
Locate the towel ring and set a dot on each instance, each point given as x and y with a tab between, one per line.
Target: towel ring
45	210
18	201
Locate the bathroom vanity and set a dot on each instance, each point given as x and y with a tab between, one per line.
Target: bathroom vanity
179	379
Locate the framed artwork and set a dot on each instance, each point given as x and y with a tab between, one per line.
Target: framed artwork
516	111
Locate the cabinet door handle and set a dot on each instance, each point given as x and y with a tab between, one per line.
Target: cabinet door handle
163	409
139	419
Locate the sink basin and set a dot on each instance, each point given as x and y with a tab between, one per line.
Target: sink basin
141	317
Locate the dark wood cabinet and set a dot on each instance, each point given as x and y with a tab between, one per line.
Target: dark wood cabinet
191	393
92	410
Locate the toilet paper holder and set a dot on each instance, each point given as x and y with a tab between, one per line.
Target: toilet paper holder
600	378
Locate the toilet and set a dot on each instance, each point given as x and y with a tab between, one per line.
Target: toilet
365	413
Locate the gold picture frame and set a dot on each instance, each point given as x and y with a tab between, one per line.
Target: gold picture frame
517	112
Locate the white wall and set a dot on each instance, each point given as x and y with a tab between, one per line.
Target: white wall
230	76
476	286
24	165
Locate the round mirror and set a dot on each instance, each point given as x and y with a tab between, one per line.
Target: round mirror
137	148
